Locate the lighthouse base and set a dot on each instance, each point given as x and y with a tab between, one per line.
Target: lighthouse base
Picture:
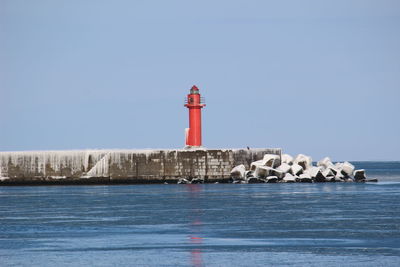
194	148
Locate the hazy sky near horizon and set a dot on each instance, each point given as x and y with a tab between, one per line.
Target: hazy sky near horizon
314	77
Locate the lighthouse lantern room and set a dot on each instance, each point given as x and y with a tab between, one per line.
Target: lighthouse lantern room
194	102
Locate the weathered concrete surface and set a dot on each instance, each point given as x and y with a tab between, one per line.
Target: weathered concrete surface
123	166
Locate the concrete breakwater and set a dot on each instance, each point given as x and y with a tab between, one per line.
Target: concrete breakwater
125	166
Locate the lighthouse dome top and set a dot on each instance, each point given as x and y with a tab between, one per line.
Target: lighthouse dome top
194	90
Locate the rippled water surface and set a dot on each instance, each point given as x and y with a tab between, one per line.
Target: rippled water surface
327	224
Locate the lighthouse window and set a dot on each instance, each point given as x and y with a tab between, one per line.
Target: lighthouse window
191	100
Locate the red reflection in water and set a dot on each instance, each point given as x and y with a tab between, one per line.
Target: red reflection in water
197	222
194	187
196	257
194	238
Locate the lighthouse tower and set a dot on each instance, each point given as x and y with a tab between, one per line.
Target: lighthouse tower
194	102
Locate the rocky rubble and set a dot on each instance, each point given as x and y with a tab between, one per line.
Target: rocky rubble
272	169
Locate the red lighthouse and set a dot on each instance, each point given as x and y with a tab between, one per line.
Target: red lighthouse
194	103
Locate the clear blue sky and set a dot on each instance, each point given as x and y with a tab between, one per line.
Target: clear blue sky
314	77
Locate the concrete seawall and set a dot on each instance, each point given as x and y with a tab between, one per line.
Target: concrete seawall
123	166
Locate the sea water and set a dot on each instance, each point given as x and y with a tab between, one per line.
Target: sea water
330	224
